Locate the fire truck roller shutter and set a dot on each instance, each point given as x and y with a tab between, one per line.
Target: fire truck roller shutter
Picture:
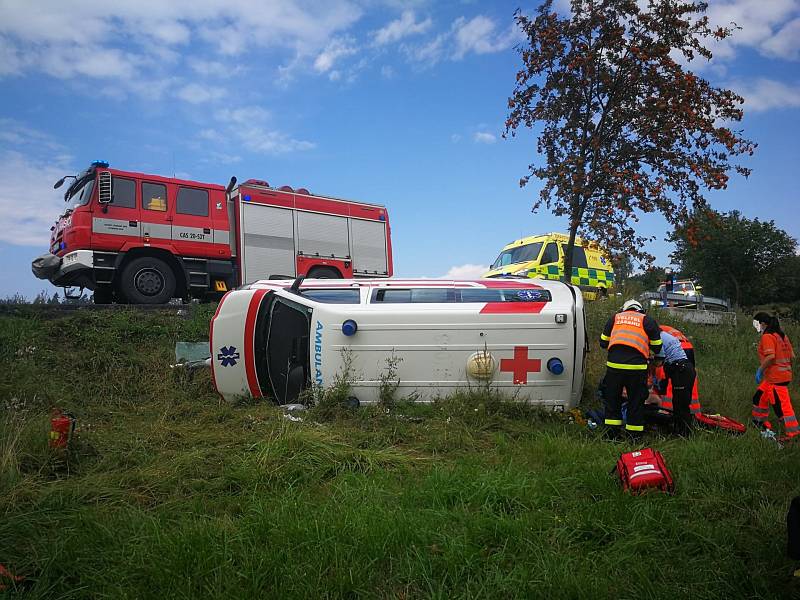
323	235
268	241
369	246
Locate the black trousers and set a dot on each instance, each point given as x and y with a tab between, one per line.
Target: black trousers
634	382
682	375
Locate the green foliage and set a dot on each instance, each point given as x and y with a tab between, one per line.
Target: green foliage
623	126
168	492
748	260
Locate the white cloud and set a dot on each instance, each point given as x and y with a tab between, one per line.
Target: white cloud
387	72
468	271
194	93
28	203
455	138
248	127
483	137
335	50
133	41
765	94
786	43
403	27
479	35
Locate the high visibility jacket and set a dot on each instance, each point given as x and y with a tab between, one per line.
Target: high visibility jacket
772	344
629	330
685	343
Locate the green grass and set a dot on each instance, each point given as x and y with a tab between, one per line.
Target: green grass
167	492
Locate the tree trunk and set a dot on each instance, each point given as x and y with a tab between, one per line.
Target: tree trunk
574	222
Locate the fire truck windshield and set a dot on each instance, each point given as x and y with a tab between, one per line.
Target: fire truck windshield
517	255
80	193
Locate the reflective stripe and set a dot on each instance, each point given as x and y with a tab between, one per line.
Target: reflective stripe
613	421
630	427
614	365
604	337
655	342
790	420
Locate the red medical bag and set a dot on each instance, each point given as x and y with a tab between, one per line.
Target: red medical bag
642	470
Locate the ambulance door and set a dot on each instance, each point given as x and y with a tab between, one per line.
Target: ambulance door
192	232
116	221
550	265
288	352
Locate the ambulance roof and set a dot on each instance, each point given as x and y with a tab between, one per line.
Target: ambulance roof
557	237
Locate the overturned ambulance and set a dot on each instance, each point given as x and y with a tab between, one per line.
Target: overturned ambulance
525	338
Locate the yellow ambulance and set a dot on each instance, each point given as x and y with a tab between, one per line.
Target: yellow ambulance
542	257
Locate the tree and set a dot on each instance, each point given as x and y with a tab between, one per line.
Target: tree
625	127
743	259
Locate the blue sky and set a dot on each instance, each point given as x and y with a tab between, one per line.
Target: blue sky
399	103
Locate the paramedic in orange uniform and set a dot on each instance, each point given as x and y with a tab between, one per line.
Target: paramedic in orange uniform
665	394
774	375
629	336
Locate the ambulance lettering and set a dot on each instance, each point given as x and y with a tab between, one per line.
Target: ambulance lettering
318	354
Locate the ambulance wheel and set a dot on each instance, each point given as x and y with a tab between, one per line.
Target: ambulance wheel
324	273
147	280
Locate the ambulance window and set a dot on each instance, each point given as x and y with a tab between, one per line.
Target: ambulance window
123	192
550	254
510	295
347	296
481	295
192	202
578	257
154	196
414	296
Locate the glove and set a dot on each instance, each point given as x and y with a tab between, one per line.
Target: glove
759	374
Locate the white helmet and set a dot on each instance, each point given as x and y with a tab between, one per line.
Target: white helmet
632	304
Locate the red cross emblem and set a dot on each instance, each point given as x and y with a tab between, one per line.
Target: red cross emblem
521	365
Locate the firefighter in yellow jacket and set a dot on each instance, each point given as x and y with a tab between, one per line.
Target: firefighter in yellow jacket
629	336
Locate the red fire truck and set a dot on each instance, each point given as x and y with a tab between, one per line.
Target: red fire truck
144	239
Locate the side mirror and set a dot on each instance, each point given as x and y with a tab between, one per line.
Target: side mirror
104	188
59	183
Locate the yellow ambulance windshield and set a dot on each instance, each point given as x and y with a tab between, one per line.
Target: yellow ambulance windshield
519	254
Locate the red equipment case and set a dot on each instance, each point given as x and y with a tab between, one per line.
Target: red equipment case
642	470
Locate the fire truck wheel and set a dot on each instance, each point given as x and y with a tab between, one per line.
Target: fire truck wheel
324	273
147	280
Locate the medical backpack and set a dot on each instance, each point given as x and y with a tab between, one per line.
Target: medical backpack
720	422
642	470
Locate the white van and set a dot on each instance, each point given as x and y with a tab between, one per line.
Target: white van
526	338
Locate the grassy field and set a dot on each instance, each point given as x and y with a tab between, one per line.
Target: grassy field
166	492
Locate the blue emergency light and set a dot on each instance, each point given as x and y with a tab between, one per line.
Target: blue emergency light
555	366
246	197
349	327
103	164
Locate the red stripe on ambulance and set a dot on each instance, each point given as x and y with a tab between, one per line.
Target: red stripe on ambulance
249	345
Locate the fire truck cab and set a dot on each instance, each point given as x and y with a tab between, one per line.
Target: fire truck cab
145	239
526	339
